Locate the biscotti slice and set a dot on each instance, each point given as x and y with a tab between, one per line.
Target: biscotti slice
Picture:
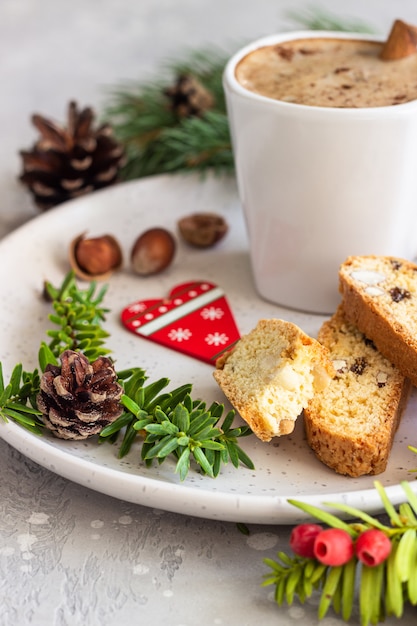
270	375
351	425
379	296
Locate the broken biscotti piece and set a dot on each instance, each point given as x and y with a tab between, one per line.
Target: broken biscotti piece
351	425
379	296
270	375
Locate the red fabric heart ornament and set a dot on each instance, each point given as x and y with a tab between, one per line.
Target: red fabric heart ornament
194	319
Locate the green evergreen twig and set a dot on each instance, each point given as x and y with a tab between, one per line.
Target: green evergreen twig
172	424
78	314
156	139
18	399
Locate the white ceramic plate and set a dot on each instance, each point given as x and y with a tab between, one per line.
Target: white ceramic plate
285	468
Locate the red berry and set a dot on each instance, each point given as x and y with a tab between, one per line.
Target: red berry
333	547
373	547
302	539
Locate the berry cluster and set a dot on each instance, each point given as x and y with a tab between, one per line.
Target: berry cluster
335	546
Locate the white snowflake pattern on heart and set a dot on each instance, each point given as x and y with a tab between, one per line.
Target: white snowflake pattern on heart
180	334
138	307
216	339
212	313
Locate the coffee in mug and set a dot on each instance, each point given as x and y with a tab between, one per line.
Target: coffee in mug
320	182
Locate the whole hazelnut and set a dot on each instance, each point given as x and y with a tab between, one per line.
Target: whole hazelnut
202	229
153	251
95	258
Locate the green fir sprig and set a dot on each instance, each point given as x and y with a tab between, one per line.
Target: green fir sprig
172	424
383	590
169	423
18	399
78	315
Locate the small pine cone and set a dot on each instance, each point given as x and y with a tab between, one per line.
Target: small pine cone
69	162
189	97
79	398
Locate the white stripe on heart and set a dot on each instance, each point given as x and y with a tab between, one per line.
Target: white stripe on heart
180	311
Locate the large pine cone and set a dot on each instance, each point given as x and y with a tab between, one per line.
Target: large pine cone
69	162
79	398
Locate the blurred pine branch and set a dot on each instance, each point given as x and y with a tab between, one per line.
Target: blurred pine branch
159	140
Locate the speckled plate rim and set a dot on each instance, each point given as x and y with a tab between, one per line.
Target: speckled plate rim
143	486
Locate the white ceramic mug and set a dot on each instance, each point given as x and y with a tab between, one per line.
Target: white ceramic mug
318	184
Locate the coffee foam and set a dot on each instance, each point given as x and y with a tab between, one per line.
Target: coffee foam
329	72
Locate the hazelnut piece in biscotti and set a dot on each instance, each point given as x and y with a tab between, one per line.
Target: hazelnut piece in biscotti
270	375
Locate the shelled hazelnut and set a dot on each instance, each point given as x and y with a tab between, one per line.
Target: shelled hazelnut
95	258
153	251
202	230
